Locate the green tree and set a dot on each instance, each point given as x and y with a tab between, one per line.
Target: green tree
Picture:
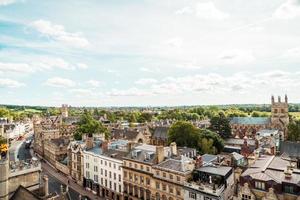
218	142
221	125
144	117
88	125
184	134
294	131
206	146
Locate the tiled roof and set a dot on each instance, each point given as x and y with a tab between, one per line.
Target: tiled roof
160	133
251	120
292	149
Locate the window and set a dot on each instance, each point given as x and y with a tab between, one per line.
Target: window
101	161
125	174
87	165
171	190
101	181
164	175
120	177
115	176
135	166
289	189
96	178
105	163
142	167
105	183
207	198
95	168
178	178
115	186
114	166
109	164
124	163
164	187
148	181
130	164
109	174
135	178
120	189
142	180
178	191
110	187
192	195
87	174
246	197
101	171
157	185
259	185
105	173
119	168
130	176
171	176
148	169
157	173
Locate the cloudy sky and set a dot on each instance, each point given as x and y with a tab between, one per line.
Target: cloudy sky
148	52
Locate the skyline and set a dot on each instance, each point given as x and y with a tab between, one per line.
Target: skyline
148	53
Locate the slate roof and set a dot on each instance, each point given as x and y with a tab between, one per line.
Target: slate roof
251	120
237	156
161	132
291	149
23	194
209	158
220	170
127	134
175	165
238	141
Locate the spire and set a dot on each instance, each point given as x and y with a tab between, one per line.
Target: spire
286	98
272	99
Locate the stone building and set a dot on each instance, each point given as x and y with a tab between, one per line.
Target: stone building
160	136
56	150
75	156
270	178
249	126
102	169
155	172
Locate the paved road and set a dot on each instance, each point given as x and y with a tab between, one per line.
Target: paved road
17	149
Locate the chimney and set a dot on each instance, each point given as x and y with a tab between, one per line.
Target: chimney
199	162
130	146
173	149
272	99
46	185
89	141
104	146
286	99
160	154
279	99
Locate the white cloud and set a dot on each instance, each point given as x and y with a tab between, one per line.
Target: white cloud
204	10
82	92
151	70
60	82
288	10
236	56
58	33
293	53
174	42
129	92
6	2
82	66
94	83
15	68
9	83
48	63
145	81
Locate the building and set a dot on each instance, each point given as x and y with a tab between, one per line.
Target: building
75	156
131	134
269	178
249	126
155	172
160	136
103	172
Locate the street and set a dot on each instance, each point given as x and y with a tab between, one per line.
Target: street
18	151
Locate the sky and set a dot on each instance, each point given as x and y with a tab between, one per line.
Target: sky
148	52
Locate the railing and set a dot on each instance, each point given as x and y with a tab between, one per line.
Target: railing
22	167
206	187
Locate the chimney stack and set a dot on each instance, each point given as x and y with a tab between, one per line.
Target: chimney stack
173	149
199	162
104	146
89	141
279	99
130	146
160	154
286	99
272	99
46	185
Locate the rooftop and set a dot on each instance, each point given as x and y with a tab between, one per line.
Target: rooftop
250	120
216	170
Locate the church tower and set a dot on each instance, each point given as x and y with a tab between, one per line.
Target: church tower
280	114
4	166
64	110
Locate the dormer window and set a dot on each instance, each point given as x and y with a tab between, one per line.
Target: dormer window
260	185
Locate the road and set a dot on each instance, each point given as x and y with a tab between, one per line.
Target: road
55	179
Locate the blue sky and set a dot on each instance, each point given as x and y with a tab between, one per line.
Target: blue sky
148	52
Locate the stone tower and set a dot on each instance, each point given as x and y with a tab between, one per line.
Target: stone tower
280	114
64	110
4	167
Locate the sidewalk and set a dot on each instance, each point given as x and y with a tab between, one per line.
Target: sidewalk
46	166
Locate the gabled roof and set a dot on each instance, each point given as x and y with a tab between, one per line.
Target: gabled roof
160	132
24	194
251	120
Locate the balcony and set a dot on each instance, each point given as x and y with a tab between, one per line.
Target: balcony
206	187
